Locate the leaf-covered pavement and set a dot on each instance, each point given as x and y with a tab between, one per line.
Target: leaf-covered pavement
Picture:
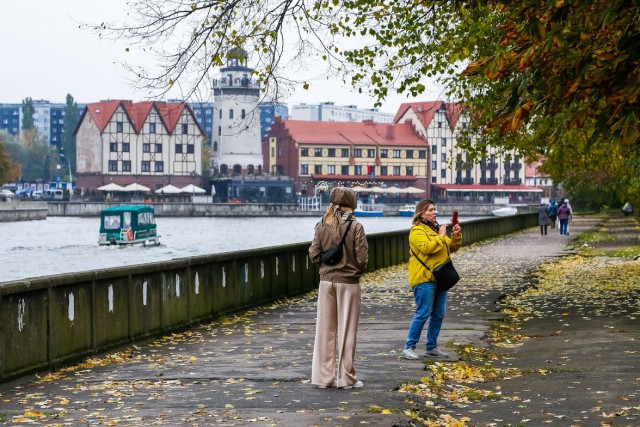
555	345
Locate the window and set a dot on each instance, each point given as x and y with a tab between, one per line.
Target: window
434	165
113	166
443	173
384	154
220	113
304	152
178	148
384	170
185	128
422	154
331	152
357	152
434	149
371	153
443	142
146	148
126	166
273	151
191	148
331	169
159	166
125	147
344	169
409	170
317	152
119	127
219	130
317	169
396	170
113	147
409	154
231	113
158	148
443	157
242	114
396	154
146	166
439	125
152	128
304	169
345	152
357	170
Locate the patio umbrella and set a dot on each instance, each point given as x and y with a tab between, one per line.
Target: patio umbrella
394	190
168	189
111	187
377	189
134	187
193	189
359	189
413	190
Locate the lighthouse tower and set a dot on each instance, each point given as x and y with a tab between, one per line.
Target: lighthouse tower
236	147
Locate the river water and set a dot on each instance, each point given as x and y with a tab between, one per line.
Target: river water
70	244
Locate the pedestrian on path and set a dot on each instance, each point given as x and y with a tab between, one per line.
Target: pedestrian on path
338	292
553	213
543	218
564	214
428	240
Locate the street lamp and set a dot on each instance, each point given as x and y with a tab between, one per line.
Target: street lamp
70	175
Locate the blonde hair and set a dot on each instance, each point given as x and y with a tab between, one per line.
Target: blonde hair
332	214
421	207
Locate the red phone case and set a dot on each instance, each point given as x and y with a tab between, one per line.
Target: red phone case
454	220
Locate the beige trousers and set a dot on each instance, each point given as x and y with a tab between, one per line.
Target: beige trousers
336	329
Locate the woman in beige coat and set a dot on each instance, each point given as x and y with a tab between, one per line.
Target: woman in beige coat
338	292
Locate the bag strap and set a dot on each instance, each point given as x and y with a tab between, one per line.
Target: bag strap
425	265
347	230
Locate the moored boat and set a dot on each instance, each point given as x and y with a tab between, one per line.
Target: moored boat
407	210
364	210
128	225
505	211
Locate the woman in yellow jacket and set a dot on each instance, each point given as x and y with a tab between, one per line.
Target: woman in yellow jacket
428	240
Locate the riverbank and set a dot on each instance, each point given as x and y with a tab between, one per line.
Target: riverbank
564	362
16	210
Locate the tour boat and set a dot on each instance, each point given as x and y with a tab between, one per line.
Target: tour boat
363	210
407	210
128	225
505	211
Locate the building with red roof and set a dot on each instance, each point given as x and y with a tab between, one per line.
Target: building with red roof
149	143
346	154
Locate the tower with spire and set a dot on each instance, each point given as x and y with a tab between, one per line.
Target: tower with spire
236	146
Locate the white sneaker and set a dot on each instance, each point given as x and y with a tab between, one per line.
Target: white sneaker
357	384
409	354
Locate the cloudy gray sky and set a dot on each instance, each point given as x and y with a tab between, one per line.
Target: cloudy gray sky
45	55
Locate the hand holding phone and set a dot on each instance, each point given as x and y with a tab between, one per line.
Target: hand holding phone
454	220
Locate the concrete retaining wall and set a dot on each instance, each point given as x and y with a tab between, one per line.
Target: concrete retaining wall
48	322
16	210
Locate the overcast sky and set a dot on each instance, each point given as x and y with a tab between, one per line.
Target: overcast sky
45	55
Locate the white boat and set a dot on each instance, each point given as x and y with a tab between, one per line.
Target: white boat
505	211
407	210
367	210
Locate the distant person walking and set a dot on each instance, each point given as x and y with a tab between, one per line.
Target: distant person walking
627	209
428	240
543	218
564	214
553	213
338	292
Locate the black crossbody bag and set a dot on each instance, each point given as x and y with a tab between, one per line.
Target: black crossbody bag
334	255
445	274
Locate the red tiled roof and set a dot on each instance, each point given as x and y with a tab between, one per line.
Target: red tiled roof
137	113
349	133
453	113
365	177
475	187
423	110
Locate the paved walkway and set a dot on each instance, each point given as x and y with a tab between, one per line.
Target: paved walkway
254	368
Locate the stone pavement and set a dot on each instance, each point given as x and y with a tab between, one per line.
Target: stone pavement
254	368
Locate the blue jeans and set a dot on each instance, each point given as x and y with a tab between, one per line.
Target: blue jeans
563	226
430	305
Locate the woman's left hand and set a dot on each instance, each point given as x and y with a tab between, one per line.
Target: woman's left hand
456	230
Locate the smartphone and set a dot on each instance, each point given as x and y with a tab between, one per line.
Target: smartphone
454	220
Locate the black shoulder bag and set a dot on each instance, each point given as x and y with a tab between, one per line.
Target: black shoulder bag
334	255
445	274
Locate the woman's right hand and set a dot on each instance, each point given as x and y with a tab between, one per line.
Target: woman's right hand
443	230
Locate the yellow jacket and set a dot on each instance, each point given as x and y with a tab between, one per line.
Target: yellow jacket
432	250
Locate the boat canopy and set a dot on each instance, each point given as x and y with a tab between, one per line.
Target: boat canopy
136	217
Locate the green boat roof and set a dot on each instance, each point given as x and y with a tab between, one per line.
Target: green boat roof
128	208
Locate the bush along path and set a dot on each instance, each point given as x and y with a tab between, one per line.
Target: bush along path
567	351
545	328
